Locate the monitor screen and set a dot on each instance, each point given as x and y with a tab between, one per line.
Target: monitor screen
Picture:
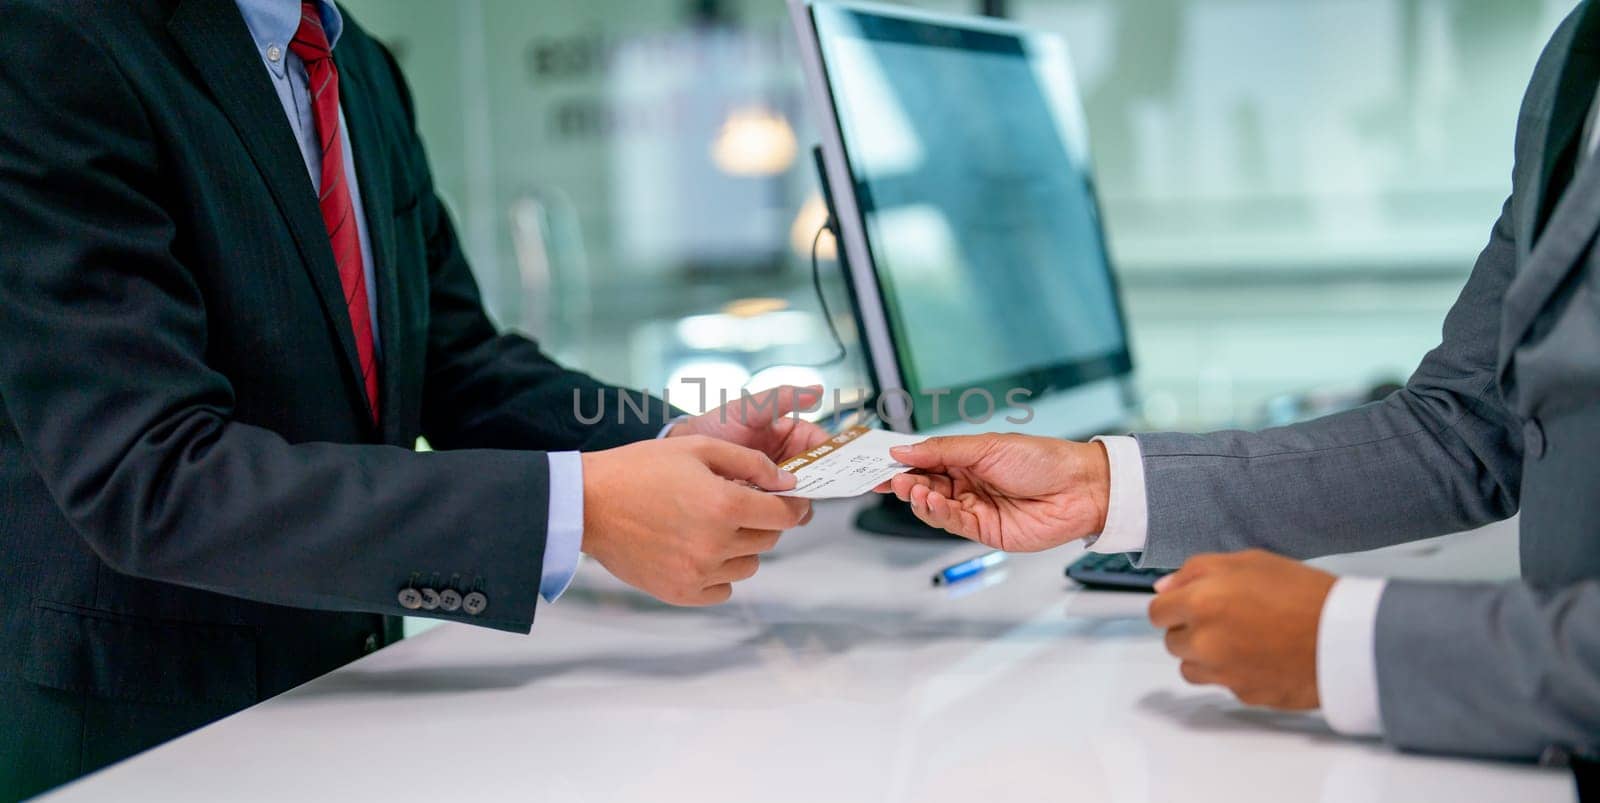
969	166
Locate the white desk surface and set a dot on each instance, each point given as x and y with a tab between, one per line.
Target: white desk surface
838	673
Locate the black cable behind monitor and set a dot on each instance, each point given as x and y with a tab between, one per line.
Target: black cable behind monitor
829	226
840	352
822	298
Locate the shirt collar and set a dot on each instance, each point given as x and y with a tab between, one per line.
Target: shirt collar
273	23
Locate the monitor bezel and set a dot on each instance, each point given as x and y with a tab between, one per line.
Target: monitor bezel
1109	393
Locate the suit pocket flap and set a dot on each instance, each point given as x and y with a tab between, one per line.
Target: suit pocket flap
121	657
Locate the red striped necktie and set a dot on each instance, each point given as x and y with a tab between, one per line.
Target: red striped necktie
338	211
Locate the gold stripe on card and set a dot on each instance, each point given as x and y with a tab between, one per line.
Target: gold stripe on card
830	446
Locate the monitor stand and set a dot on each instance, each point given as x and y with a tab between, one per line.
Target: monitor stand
890	516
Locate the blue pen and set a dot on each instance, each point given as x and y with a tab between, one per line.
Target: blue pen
968	568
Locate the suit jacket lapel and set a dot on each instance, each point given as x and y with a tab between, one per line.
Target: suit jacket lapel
377	199
1573	96
212	34
1532	174
1559	225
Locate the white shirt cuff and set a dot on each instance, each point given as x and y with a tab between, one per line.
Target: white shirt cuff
1347	660
563	541
563	538
1127	511
667	430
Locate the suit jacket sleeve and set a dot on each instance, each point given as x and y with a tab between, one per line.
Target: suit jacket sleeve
484	389
103	371
1440	456
1532	659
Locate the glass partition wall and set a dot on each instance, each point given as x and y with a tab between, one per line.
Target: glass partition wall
1294	191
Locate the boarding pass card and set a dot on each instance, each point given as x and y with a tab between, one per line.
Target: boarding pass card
849	464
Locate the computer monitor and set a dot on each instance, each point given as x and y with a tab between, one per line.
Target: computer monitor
955	154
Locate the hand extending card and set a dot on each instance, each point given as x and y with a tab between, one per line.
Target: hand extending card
849	464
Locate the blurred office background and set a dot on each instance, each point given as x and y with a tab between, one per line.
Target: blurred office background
1294	189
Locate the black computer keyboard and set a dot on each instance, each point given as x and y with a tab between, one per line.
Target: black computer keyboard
1113	573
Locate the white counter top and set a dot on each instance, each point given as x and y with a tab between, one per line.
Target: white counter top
838	674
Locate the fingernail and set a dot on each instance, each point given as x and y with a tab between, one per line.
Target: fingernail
1161	585
899	451
787	476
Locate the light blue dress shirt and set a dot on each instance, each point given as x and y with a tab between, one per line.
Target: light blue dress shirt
272	25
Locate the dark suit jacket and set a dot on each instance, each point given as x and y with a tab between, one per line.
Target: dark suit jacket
196	510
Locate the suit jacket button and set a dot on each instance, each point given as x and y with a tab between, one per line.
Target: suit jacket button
371	645
450	599
410	599
474	603
430	599
1533	442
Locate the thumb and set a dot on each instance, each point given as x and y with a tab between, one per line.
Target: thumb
735	462
946	452
792	398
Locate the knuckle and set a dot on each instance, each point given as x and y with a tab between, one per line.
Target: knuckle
691	588
1158	610
702	446
1174	643
1204	604
765	540
1191	672
800	512
724	506
707	559
689	566
1250	695
674	594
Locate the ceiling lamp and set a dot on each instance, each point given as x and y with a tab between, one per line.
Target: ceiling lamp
754	142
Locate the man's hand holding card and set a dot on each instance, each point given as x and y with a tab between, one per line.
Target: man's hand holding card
851	463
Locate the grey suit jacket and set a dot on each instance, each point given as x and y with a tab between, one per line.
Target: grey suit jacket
1503	416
